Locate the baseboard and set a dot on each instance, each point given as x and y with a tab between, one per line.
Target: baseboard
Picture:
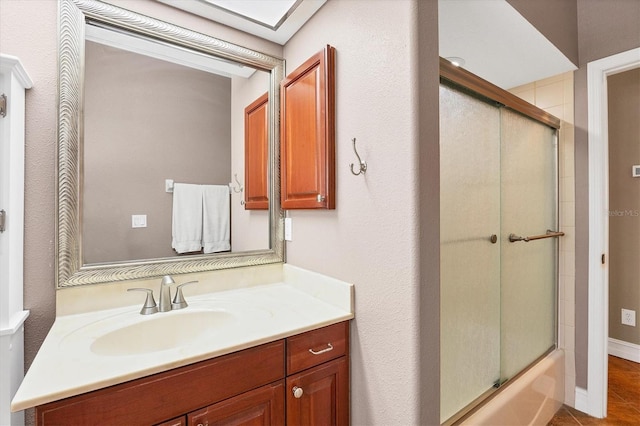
622	349
582	403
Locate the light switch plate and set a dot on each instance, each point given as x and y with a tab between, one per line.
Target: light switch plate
287	229
635	170
138	220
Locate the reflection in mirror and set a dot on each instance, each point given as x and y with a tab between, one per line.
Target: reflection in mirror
144	103
177	119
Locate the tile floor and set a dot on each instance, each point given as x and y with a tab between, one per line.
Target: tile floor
623	399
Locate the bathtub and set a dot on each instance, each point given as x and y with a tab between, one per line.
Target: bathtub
531	399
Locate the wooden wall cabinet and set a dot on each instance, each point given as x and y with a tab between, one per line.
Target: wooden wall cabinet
307	132
301	380
256	151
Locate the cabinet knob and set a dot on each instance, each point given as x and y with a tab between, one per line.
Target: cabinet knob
297	392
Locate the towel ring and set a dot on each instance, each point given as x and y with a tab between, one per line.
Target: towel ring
363	164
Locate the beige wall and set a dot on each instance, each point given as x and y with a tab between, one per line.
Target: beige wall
623	91
249	228
604	29
386	66
171	122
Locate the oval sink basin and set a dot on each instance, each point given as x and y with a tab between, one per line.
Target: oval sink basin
160	332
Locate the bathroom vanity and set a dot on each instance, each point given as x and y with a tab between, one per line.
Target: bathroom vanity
260	340
307	373
275	351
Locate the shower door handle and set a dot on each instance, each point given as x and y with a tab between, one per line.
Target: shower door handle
549	234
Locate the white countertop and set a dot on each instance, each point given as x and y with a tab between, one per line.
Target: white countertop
66	366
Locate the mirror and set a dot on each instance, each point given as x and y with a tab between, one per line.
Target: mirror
117	167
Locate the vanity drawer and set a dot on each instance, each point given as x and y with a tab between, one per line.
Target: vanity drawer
317	346
153	399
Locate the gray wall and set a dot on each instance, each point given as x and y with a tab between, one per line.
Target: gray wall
604	29
623	90
146	120
557	20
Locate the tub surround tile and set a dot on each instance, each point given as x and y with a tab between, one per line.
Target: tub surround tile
553	79
570	340
568	242
550	95
568	215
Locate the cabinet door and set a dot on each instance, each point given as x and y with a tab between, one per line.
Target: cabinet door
308	134
320	395
262	406
256	139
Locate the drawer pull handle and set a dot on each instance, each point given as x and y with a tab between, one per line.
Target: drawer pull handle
327	349
297	392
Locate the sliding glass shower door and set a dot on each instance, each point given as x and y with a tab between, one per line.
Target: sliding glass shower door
528	269
498	293
470	260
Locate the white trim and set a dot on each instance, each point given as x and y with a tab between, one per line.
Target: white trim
12	65
597	72
625	350
14	80
582	400
295	19
15	323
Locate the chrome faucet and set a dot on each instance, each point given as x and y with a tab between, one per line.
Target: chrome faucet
164	302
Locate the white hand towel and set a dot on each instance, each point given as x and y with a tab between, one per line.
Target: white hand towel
216	229
187	218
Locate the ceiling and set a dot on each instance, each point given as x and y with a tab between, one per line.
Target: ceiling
274	20
497	43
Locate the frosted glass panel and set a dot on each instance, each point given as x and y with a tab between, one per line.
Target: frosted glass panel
528	269
470	263
498	175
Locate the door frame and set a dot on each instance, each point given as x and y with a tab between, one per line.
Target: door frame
598	145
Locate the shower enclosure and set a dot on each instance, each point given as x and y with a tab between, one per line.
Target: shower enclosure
499	214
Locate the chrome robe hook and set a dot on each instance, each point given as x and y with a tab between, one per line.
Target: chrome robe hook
363	164
238	188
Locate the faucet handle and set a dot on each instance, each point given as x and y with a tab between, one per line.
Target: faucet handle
149	306
178	299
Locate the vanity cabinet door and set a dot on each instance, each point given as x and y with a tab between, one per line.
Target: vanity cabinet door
263	406
308	134
256	138
320	395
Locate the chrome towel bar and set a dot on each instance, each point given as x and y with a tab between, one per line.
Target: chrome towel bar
549	234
